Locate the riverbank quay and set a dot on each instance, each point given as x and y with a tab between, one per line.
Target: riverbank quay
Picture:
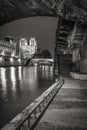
68	111
30	117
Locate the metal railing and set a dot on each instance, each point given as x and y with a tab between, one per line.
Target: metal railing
29	118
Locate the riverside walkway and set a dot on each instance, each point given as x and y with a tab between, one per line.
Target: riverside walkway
31	115
68	111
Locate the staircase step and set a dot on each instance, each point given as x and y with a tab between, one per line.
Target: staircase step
63	35
62	46
61	43
64	31
62	38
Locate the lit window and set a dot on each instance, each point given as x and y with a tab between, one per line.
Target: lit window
11	59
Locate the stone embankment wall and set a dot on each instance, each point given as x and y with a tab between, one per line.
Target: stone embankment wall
6	62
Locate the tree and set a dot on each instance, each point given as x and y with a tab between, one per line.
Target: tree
46	54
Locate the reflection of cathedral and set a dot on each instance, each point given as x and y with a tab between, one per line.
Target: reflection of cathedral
27	50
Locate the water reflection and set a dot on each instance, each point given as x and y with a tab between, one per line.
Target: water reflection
13	78
30	76
3	77
19	86
3	82
47	71
20	73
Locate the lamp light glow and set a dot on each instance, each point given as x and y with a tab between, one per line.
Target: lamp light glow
11	59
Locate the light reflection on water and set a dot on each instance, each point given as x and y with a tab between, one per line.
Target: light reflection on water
13	78
19	86
46	71
30	78
20	73
3	82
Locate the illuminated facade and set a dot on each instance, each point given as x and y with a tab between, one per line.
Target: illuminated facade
23	42
27	50
7	47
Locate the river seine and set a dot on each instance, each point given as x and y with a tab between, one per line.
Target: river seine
19	86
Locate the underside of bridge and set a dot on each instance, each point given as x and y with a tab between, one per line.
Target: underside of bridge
71	31
15	9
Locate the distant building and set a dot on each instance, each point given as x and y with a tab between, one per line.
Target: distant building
33	45
23	42
26	49
8	47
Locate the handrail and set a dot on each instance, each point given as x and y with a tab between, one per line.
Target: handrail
32	114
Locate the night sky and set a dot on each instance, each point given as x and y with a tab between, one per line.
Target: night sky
42	28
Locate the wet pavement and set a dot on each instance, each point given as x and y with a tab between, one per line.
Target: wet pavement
68	111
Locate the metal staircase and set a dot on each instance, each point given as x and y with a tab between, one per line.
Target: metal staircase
79	35
63	30
62	34
66	29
